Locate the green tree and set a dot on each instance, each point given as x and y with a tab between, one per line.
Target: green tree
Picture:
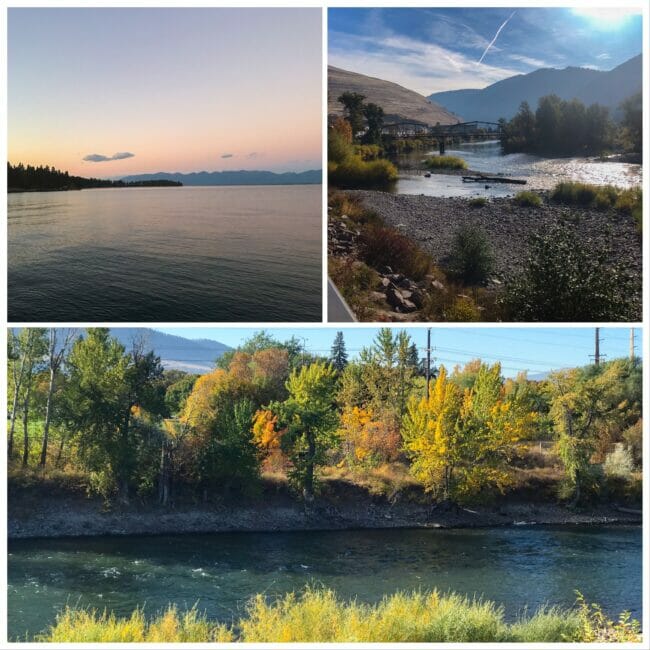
353	110
338	355
375	121
107	389
632	121
307	419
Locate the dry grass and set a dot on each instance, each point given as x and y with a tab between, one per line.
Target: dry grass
319	616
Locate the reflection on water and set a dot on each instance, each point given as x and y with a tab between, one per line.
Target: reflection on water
247	253
513	566
540	173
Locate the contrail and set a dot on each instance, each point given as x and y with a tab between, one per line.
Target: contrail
494	40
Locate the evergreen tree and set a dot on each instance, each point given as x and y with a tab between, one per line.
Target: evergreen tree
338	355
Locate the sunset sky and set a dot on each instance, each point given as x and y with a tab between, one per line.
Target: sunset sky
111	92
432	50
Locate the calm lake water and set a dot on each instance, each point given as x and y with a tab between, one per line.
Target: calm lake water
540	173
250	253
514	566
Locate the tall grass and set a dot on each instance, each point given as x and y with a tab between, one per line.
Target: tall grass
445	162
318	615
602	197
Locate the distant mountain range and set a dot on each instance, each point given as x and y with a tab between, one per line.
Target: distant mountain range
399	103
189	355
502	99
242	177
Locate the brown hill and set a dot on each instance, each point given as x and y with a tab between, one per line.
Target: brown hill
399	103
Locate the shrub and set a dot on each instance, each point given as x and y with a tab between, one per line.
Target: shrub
353	172
445	162
478	202
470	259
463	310
384	246
563	281
528	199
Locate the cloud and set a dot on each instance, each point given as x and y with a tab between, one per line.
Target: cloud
527	60
252	154
228	155
604	56
98	157
423	67
494	40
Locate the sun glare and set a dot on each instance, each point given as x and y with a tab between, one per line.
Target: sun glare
606	17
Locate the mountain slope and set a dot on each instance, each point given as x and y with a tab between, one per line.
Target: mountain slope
502	99
190	355
399	103
242	177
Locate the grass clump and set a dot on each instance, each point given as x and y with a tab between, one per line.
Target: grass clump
317	615
445	162
602	197
478	202
471	259
528	199
90	626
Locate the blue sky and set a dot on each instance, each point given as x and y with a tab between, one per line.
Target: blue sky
430	50
536	350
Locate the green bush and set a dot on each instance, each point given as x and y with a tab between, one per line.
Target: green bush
478	202
445	162
471	259
528	199
563	281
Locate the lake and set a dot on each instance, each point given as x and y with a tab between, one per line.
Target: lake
540	173
515	566
245	253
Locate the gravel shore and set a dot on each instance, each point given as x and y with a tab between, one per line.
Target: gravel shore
433	222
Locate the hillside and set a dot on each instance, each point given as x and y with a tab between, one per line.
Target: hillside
399	103
190	355
502	99
241	177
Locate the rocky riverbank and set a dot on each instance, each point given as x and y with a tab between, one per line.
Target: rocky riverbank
78	517
433	221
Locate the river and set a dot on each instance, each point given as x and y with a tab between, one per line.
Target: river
540	173
246	253
516	566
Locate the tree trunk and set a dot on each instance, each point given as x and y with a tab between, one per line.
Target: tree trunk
48	417
59	453
26	430
308	487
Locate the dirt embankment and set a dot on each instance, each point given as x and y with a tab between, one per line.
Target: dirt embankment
75	516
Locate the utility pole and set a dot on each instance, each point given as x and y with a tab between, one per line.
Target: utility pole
632	355
428	368
597	349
